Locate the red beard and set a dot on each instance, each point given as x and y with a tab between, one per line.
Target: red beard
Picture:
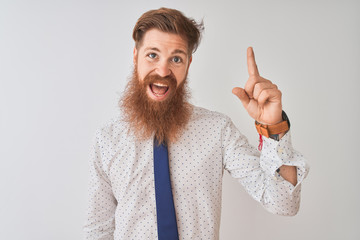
165	119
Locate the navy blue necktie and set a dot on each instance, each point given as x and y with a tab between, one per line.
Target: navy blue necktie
166	218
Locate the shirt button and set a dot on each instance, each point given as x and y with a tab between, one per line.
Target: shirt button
280	150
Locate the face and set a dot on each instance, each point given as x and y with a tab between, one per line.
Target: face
163	55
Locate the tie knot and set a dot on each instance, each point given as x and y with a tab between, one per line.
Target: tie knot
158	144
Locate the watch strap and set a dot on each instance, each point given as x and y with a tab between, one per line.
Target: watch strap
268	130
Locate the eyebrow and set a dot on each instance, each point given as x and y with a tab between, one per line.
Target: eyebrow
152	48
179	51
173	52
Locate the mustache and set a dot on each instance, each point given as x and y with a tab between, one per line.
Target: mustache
169	80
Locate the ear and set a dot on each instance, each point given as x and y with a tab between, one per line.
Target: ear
190	60
135	55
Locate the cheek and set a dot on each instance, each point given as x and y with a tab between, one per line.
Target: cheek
180	76
142	70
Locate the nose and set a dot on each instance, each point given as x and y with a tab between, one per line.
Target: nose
163	69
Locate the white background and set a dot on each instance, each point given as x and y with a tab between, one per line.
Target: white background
64	64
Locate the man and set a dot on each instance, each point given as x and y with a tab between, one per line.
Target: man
125	193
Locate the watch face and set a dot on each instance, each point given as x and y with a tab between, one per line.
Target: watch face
285	118
275	137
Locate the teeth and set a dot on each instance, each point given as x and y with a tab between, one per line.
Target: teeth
159	85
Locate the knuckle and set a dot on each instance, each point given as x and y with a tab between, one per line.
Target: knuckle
257	86
267	92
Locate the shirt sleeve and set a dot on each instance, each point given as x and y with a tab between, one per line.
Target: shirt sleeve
100	218
257	171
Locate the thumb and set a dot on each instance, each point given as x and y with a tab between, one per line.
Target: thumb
242	95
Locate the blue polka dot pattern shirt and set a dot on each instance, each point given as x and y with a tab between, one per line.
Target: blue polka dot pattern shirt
121	192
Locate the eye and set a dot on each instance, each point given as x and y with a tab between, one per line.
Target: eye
152	55
177	59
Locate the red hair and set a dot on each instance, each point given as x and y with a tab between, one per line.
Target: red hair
170	21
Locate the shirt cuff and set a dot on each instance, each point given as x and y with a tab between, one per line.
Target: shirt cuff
277	153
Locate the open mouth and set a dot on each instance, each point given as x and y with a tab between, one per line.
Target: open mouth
159	90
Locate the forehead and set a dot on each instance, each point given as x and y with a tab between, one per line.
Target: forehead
155	38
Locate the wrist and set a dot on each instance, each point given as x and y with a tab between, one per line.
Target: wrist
274	131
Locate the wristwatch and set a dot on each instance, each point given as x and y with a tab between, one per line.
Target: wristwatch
273	131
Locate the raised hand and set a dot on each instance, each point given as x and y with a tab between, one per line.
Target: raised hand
260	97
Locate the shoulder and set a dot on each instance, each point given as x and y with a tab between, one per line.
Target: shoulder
202	114
113	130
209	126
208	120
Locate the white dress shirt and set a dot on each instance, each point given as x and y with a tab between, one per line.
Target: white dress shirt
121	192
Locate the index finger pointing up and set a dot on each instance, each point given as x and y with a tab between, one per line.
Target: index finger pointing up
252	67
